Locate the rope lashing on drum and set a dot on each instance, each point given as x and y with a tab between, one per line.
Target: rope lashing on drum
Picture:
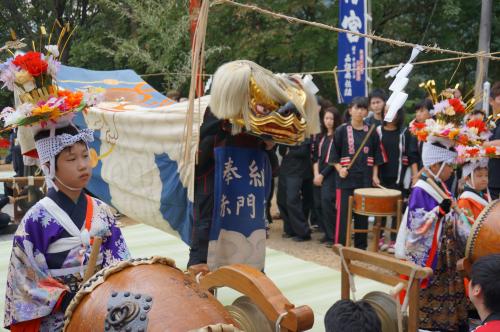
277	326
401	309
399	313
198	276
352	286
395	294
410	282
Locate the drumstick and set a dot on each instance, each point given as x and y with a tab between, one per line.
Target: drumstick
96	247
437	188
443	194
381	187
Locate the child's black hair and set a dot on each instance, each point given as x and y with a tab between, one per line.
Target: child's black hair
359	102
377	93
485	272
349	316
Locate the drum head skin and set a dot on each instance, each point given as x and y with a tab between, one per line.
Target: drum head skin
377	192
484	238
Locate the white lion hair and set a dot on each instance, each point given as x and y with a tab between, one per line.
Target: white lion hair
230	93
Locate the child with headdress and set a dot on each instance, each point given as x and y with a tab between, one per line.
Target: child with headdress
431	242
475	196
432	231
52	245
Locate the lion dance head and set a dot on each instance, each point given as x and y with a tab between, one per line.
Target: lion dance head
272	106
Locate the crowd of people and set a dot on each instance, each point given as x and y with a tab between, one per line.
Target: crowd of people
316	178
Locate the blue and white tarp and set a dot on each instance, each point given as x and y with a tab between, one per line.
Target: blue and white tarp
352	50
242	185
139	141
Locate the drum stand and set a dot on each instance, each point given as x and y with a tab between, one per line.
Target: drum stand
24	188
376	267
377	226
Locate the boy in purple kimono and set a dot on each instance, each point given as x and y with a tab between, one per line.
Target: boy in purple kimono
53	242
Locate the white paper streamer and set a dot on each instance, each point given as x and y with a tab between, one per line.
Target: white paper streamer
399	100
399	84
309	84
398	97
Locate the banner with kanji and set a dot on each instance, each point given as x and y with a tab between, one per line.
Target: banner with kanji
242	184
352	50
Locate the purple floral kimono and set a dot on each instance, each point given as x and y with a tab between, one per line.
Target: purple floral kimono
49	256
436	242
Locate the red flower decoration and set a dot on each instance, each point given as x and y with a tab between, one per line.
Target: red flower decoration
4	143
31	62
419	125
463	139
457	105
490	150
479	124
473	152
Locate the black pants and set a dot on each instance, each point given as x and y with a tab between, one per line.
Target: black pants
494	192
360	222
268	203
291	206
202	220
4	220
307	197
316	214
328	207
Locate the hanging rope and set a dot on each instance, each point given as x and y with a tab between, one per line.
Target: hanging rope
323	72
390	41
197	63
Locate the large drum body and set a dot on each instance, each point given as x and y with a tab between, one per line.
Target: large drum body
376	202
143	295
484	238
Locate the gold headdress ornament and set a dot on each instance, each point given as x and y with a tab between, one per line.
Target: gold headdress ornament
278	107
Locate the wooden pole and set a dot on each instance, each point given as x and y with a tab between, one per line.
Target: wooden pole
23	179
484	46
96	248
414	309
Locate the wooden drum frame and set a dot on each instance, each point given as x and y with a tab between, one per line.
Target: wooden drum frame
375	202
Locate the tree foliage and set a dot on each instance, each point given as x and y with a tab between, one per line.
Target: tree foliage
152	36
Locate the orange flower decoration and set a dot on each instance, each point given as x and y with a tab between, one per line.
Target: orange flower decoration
453	133
422	135
72	99
42	110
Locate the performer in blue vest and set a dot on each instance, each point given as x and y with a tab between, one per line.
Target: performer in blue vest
258	109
